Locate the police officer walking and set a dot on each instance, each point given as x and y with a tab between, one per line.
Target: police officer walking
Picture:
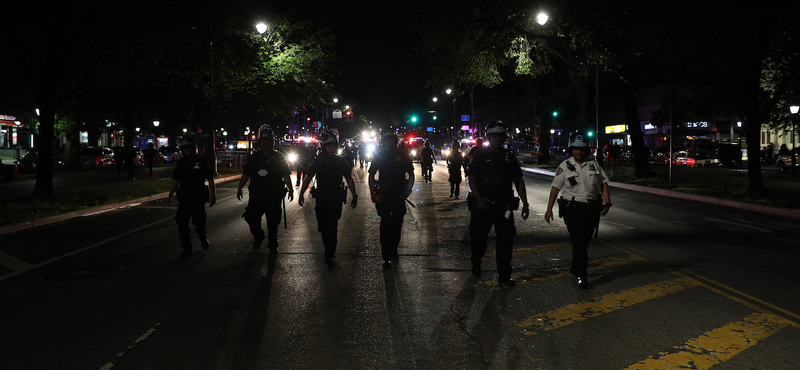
188	179
426	160
390	191
270	179
329	192
302	161
150	157
494	172
583	185
455	161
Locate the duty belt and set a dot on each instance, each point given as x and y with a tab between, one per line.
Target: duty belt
576	206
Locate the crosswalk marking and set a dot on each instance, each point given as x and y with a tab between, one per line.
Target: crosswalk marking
573	313
718	345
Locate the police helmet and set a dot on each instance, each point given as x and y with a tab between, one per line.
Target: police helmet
329	137
188	142
496	127
388	134
456	145
265	132
579	142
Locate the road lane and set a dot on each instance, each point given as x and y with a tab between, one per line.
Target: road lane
232	307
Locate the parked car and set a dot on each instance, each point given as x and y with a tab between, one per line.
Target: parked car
694	158
783	162
729	154
661	154
170	153
28	162
97	157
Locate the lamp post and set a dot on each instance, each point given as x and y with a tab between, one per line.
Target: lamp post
455	129
794	109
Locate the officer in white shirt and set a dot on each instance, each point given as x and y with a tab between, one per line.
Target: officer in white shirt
584	198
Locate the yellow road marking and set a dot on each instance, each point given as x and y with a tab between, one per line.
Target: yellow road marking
741	301
532	250
718	345
573	313
531	277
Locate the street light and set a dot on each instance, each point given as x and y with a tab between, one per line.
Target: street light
542	18
794	109
455	129
261	28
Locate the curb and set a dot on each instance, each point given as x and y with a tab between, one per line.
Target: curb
8	229
782	212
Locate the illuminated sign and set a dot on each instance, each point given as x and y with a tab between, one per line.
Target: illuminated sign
702	124
616	129
649	126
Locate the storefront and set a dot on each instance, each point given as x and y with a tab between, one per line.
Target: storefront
10	132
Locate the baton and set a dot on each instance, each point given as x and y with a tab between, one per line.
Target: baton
412	204
597	228
284	215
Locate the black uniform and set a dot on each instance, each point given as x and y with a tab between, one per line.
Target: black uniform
150	158
426	160
303	159
454	163
192	172
494	173
266	170
330	195
392	165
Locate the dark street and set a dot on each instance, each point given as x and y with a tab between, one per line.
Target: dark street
673	282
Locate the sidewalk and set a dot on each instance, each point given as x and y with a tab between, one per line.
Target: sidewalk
7	229
781	212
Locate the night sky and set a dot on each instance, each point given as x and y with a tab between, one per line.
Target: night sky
380	72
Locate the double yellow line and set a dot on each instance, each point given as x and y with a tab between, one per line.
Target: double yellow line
703	352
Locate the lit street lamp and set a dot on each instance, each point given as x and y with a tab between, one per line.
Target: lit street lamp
794	109
455	129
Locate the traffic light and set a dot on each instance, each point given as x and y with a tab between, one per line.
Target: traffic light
589	133
555	113
413	119
348	113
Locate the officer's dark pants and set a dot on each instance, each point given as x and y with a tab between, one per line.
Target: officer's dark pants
301	174
196	211
480	224
391	213
328	214
580	226
271	208
150	167
455	183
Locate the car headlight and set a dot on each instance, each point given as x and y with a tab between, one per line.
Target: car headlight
292	157
446	152
413	153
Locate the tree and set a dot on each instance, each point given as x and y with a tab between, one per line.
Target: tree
70	56
752	58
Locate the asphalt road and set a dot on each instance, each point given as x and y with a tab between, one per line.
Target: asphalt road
675	283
